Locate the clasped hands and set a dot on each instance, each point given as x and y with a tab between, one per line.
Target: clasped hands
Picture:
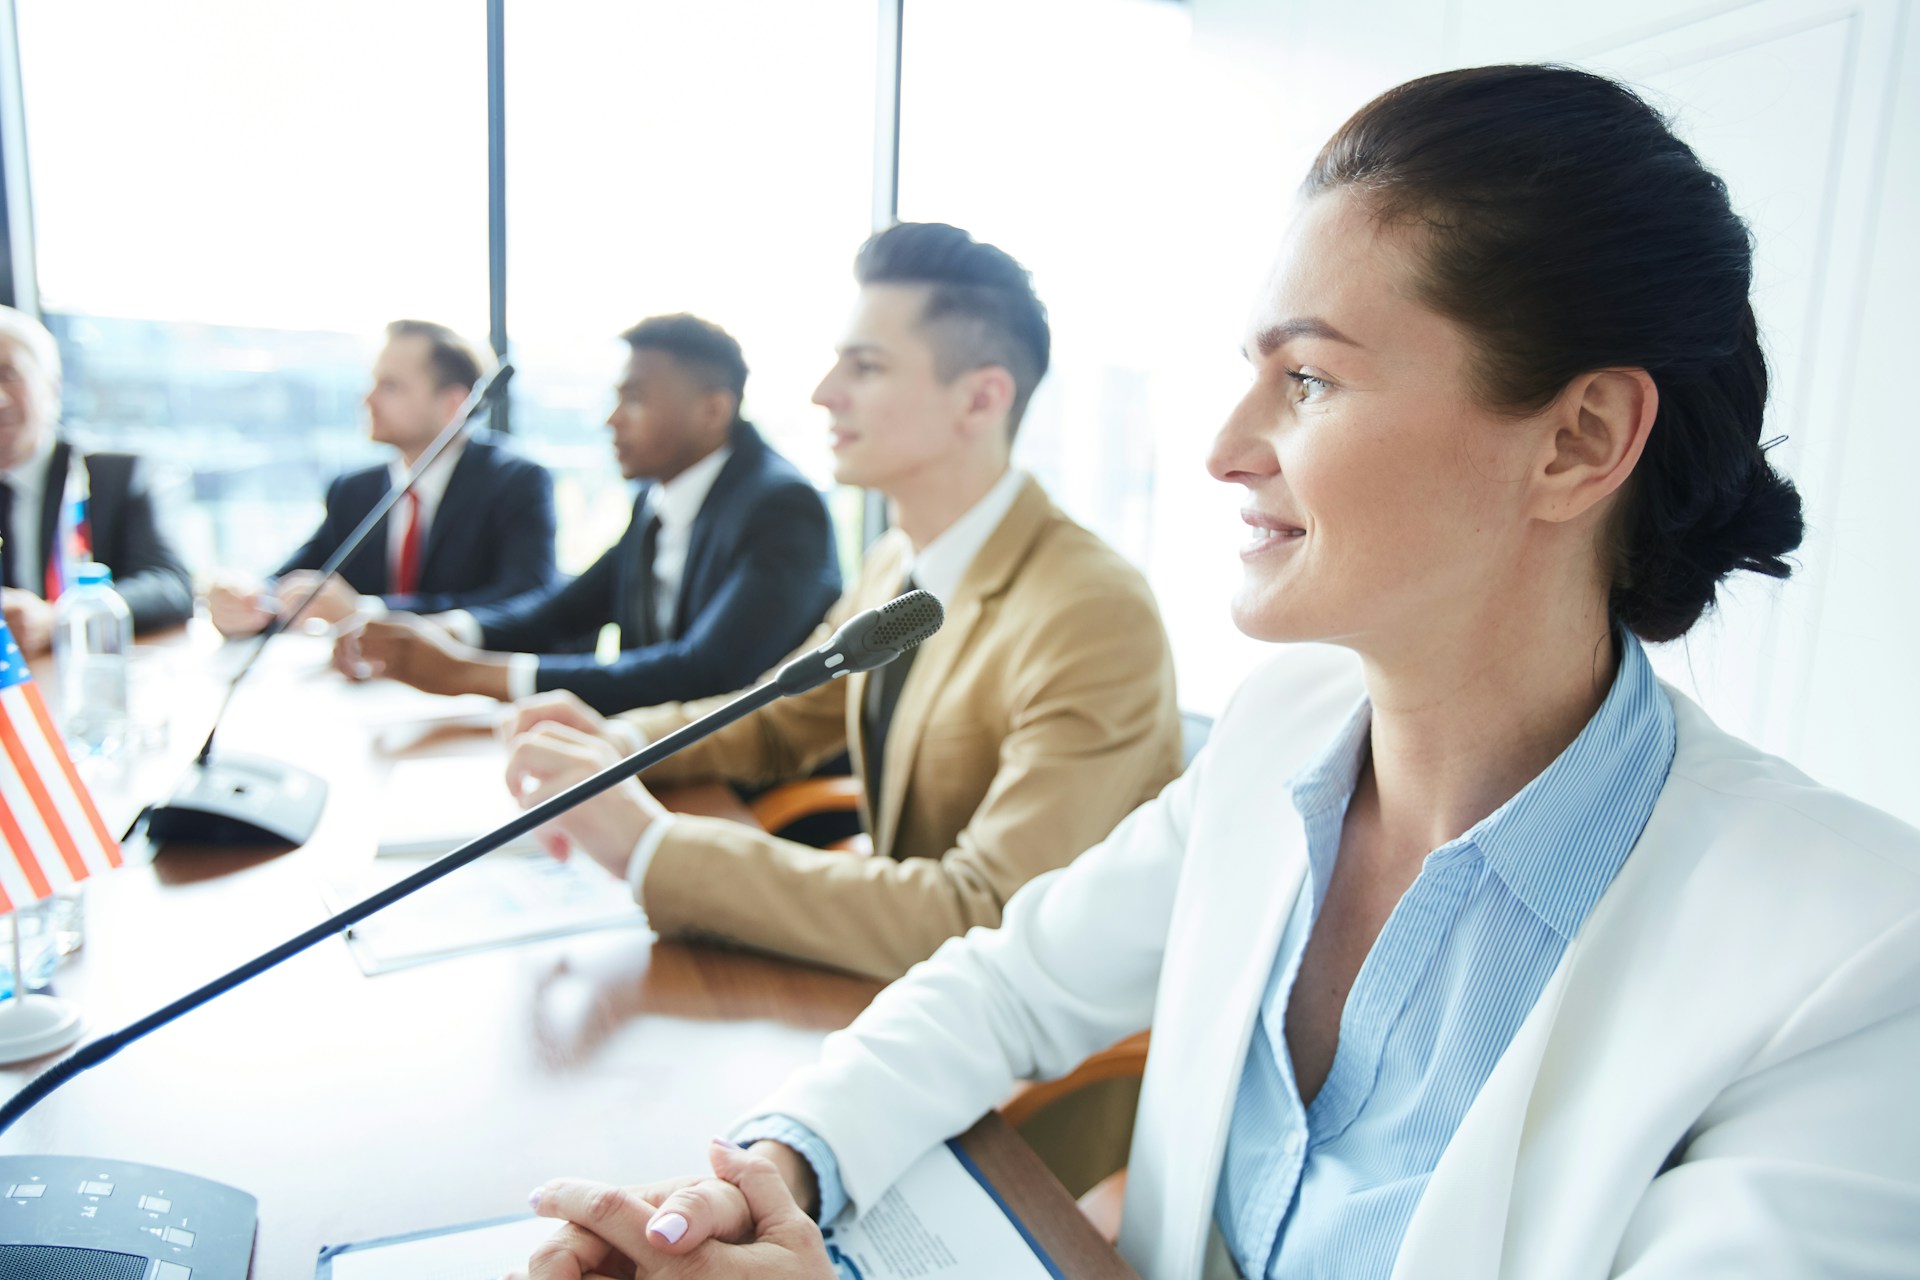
745	1221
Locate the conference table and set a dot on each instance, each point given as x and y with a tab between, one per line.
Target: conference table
356	1107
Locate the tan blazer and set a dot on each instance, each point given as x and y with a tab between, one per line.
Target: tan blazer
1038	717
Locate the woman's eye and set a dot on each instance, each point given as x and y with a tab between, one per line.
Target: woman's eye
1311	388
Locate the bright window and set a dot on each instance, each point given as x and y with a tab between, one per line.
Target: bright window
714	158
231	199
1061	132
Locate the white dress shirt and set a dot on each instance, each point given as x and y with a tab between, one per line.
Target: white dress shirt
29	484
677	503
937	567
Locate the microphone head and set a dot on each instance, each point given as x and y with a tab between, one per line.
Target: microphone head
497	384
907	620
865	641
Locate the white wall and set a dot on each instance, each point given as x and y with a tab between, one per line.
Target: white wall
1798	105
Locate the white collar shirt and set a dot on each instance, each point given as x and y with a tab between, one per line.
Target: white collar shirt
677	503
941	564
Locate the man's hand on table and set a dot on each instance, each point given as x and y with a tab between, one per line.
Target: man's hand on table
238	606
551	757
746	1221
412	650
29	618
333	600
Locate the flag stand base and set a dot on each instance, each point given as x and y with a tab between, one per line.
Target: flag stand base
33	1026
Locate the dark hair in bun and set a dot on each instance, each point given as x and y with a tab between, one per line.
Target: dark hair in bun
1570	231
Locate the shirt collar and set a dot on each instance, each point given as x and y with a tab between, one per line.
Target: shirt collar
941	564
679	500
1558	843
433	484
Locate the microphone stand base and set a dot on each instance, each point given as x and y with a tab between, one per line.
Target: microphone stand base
240	799
32	1026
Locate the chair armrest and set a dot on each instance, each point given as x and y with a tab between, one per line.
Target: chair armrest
783	806
1128	1058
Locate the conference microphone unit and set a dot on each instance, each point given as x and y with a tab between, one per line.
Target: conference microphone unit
866	641
239	798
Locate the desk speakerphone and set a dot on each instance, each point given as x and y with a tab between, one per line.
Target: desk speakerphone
78	1218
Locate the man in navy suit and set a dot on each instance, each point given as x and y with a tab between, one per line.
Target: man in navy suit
727	564
477	529
118	528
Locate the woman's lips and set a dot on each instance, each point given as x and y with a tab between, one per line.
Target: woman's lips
1265	533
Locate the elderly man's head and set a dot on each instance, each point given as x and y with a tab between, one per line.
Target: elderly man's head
29	385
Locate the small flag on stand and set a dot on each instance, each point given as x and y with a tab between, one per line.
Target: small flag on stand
73	531
51	835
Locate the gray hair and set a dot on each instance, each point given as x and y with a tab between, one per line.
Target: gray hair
35	337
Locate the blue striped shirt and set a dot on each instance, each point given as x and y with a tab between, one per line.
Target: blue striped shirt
1328	1189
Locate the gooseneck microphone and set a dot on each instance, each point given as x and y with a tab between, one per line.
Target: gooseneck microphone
866	641
248	799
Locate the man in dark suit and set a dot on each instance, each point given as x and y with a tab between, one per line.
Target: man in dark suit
477	529
38	542
727	563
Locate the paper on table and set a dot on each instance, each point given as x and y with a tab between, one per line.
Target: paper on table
438	804
384	705
502	898
466	1253
939	1222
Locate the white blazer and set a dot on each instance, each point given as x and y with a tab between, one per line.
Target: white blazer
1722	1078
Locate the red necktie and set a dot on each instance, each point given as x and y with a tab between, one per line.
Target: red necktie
406	573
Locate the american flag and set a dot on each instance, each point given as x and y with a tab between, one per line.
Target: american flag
51	835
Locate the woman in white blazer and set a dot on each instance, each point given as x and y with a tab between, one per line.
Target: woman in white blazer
1469	949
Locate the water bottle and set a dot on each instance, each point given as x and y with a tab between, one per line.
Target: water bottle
92	641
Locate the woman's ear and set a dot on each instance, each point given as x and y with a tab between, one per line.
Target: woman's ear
1600	427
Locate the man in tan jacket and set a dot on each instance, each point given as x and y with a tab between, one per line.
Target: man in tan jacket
1018	736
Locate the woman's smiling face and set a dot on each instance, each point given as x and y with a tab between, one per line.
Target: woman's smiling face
1382	499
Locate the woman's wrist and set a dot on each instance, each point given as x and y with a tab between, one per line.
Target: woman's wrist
795	1171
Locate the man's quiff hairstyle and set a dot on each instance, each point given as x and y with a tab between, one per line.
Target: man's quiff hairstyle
454	360
981	310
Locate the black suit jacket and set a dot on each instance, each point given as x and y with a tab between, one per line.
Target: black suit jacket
147	572
761	572
491	538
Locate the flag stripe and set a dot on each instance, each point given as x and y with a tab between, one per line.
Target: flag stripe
23	859
37	789
14	887
27	874
76	791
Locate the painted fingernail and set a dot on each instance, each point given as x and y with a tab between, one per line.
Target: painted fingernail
533	1196
669	1227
